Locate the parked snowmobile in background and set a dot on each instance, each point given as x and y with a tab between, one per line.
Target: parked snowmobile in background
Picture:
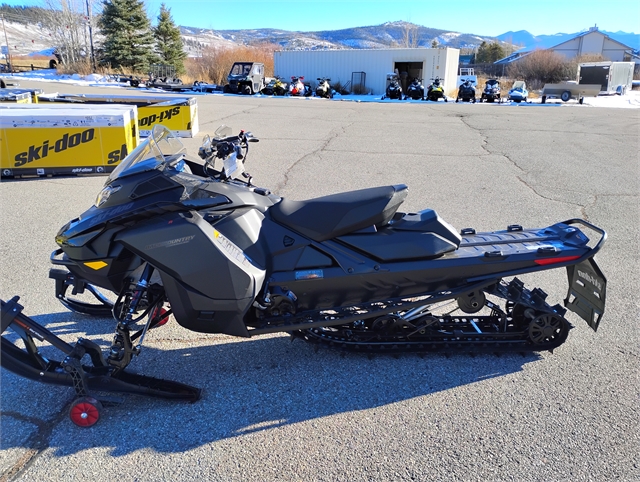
415	90
196	239
466	91
298	88
394	90
324	88
436	91
518	92
491	92
275	86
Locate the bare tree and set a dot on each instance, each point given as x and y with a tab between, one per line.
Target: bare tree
410	37
68	24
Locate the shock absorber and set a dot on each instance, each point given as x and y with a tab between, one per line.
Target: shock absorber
122	349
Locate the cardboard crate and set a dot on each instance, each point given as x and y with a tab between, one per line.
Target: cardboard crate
179	114
9	95
39	141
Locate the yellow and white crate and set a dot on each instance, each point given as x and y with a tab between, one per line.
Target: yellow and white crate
41	141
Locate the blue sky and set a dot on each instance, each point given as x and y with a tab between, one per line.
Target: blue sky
482	17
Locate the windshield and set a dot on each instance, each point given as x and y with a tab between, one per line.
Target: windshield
241	68
157	151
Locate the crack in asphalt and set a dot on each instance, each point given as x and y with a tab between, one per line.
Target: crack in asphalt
37	442
334	134
244	111
485	147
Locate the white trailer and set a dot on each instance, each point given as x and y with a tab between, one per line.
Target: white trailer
614	77
365	70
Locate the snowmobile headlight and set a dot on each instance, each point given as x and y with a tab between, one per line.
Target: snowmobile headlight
105	194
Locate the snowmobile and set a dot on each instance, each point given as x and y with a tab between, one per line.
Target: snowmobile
324	88
466	91
298	88
415	90
436	91
394	90
518	92
275	87
491	92
196	239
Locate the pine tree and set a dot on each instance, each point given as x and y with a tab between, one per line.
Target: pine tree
489	52
129	41
169	41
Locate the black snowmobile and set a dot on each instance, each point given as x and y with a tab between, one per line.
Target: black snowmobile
491	92
196	239
436	91
466	91
415	90
394	89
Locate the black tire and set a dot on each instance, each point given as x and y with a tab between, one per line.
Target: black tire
544	99
246	90
581	100
226	89
134	82
52	64
565	96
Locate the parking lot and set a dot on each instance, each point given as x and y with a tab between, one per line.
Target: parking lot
276	410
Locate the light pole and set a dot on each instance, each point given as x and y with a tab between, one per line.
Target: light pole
93	57
9	62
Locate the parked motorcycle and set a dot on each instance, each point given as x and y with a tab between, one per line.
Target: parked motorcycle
436	91
275	87
466	91
491	92
196	239
297	87
324	88
415	90
394	89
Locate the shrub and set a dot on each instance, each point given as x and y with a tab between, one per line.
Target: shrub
216	62
540	67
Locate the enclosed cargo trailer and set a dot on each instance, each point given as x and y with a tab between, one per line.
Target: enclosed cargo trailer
613	77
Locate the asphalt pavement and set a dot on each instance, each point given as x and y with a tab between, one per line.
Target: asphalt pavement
276	410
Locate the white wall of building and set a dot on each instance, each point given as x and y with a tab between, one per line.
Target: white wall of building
340	64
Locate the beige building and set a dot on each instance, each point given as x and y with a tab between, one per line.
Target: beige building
594	42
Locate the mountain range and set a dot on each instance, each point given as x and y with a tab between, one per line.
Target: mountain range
387	35
28	38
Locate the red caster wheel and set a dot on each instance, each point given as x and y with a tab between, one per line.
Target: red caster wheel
85	411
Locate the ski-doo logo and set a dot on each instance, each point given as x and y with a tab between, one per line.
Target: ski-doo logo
171	242
591	279
35	153
153	118
117	155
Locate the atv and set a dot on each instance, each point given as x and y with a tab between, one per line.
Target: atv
245	78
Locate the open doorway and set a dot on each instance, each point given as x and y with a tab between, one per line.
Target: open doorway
408	71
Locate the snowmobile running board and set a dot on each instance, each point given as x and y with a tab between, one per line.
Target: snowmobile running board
70	372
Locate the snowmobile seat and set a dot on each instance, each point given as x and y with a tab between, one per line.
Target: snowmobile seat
331	216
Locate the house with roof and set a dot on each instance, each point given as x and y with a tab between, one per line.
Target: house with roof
591	42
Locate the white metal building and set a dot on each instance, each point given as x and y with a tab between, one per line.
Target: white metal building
347	66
